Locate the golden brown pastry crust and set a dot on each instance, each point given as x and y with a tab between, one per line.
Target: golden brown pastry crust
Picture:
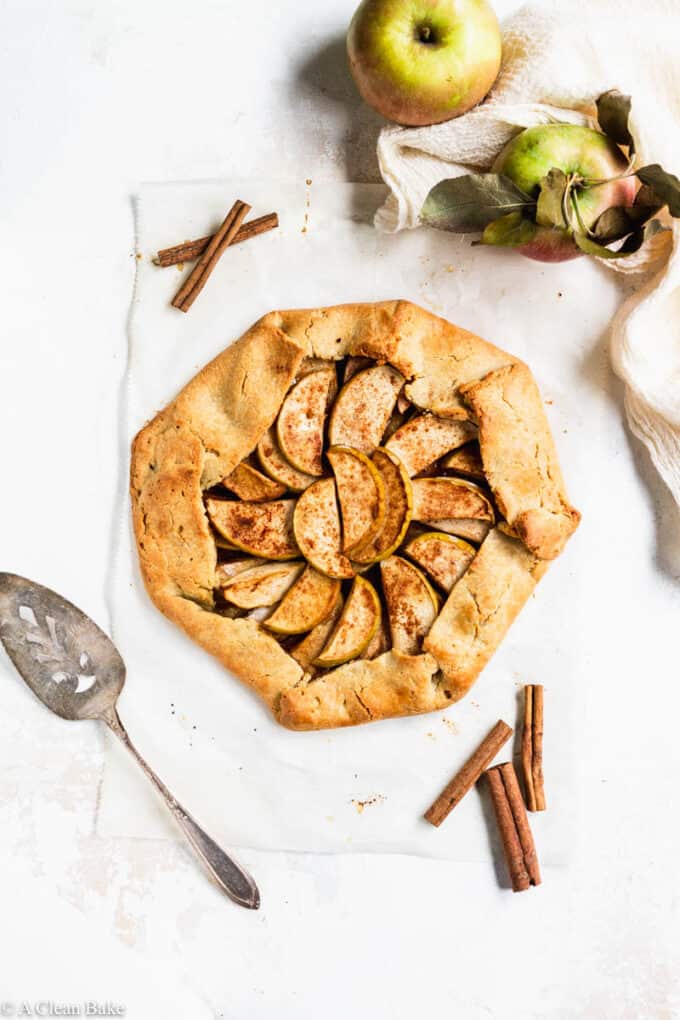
520	460
480	609
217	420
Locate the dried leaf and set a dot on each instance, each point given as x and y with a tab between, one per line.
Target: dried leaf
468	204
618	221
632	243
646	202
613	111
614	224
549	208
664	185
636	240
509	231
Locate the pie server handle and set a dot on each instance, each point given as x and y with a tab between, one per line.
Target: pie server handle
230	876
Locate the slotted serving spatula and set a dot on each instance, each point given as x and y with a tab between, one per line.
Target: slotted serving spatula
76	670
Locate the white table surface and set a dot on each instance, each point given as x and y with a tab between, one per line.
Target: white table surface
96	98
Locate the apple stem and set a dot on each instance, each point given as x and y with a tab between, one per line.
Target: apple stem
628	172
570	204
565	207
584	229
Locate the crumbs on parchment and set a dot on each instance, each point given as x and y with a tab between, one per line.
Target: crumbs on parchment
361	804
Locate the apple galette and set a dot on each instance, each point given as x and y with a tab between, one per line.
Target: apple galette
348	507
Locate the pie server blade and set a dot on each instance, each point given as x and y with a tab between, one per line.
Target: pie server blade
77	672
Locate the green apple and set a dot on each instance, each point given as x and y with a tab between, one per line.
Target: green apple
529	157
424	61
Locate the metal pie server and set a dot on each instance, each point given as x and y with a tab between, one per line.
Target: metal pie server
76	670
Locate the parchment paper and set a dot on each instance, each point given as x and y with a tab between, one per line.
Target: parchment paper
248	780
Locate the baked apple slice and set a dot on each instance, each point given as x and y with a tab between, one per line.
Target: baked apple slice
261	529
463	527
261	585
313	643
277	467
250	484
260	613
308	602
302	419
361	495
379	643
444	558
395	423
466	462
359	620
426	438
363	407
222	543
398	503
229	569
441	497
412	604
316	525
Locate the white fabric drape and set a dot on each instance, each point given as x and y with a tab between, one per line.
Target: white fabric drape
557	58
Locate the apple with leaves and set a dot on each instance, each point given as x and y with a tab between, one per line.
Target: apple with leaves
424	61
594	164
558	191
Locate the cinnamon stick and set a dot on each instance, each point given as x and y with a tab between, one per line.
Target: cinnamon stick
466	778
202	271
190	250
532	747
513	824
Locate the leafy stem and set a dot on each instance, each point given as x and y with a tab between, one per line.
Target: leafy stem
584	229
565	204
570	204
594	182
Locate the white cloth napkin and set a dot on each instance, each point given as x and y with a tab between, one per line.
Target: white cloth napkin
557	58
